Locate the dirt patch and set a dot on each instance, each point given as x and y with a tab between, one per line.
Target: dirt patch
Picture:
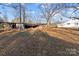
41	41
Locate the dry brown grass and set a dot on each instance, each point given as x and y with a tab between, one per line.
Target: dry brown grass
43	41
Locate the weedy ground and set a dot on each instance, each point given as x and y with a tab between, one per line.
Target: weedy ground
39	41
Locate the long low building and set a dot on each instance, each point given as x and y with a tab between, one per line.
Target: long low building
72	23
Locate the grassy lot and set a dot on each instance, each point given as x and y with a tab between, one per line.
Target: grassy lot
39	42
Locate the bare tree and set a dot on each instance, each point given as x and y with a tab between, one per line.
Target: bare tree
24	11
50	10
15	7
68	6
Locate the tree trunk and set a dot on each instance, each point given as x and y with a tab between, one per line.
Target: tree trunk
48	22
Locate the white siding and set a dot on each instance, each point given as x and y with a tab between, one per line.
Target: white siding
18	26
70	24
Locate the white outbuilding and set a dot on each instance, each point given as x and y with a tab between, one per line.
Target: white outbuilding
72	23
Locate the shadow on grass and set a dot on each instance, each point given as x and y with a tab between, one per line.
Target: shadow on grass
39	44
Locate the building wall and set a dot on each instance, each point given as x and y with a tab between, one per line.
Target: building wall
70	24
18	26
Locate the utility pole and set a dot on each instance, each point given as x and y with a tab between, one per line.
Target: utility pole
20	15
24	14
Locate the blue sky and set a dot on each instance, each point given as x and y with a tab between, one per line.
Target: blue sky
6	11
32	9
